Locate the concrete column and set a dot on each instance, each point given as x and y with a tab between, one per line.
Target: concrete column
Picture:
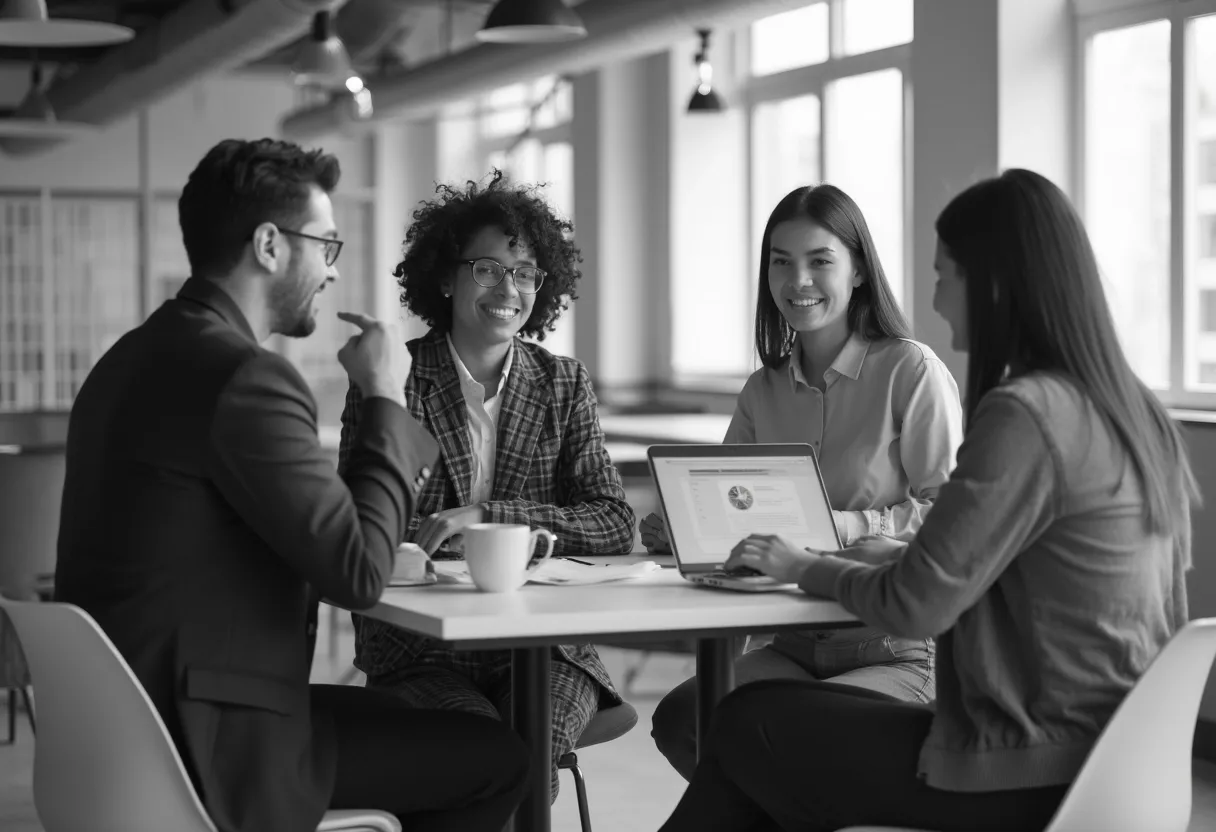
405	164
992	86
622	211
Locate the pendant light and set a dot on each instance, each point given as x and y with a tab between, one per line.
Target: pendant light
531	21
322	60
705	98
26	23
35	117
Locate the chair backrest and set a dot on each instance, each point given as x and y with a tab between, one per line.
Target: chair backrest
31	490
103	760
1138	776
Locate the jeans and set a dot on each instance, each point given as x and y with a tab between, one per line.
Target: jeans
818	757
860	657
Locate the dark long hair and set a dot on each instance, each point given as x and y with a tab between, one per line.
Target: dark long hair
1035	300
872	310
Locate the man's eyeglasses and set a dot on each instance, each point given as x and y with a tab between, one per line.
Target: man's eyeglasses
332	247
489	273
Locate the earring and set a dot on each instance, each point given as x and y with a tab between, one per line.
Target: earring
447	294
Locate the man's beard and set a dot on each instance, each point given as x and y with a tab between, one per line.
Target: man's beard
305	324
294	312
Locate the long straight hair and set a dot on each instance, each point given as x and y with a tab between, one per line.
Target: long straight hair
872	310
1035	300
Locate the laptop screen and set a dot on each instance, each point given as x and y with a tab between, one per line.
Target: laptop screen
716	495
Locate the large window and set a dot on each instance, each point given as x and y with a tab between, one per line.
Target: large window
68	290
824	91
523	130
1149	190
833	115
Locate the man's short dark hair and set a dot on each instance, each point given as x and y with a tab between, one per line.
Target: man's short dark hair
238	186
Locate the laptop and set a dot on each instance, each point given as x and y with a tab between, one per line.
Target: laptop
713	496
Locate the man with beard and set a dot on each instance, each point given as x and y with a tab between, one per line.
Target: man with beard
202	522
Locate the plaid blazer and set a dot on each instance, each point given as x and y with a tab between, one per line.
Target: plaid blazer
550	470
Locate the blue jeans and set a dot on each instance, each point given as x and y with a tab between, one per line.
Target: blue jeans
862	657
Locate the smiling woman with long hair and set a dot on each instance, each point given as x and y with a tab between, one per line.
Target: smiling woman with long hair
882	413
1051	569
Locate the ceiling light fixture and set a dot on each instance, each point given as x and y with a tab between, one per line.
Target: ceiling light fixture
360	102
323	61
705	99
26	23
35	117
531	21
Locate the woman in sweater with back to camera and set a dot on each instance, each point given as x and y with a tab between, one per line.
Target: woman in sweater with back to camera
1051	570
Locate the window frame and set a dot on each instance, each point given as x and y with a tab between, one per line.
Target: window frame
1182	161
51	397
813	79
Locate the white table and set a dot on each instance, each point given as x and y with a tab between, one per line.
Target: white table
666	428
530	621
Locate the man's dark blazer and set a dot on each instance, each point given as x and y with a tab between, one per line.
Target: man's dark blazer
202	521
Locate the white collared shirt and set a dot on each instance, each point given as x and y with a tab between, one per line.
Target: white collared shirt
483	422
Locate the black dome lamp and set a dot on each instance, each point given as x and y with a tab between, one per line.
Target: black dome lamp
705	98
35	118
531	21
322	59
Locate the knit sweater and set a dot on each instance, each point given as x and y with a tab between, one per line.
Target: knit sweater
1036	573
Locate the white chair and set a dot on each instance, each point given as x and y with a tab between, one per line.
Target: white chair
1138	776
103	761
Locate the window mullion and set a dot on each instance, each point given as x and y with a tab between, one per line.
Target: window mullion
46	261
1178	203
835	29
907	290
825	120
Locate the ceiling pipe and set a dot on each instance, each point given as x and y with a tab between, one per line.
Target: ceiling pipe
617	30
196	40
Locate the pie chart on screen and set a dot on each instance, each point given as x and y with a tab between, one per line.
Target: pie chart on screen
740	497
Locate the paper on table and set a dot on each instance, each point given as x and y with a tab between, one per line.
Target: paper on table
558	572
412	567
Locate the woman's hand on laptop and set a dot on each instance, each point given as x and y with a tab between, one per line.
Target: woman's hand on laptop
654	534
773	555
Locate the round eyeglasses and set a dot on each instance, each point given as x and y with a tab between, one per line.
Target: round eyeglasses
489	273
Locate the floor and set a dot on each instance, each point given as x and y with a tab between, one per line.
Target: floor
630	787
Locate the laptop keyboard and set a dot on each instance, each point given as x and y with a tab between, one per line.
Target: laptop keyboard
740	572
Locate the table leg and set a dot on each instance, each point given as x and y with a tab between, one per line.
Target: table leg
715	679
531	714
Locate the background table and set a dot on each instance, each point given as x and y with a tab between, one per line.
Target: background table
666	428
529	622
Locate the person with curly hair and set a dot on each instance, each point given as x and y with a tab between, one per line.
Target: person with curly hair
518	432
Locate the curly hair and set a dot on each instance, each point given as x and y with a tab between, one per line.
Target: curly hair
443	226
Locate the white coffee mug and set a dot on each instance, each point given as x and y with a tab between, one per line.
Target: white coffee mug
498	554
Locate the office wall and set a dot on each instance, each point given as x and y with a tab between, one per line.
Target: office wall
180	130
